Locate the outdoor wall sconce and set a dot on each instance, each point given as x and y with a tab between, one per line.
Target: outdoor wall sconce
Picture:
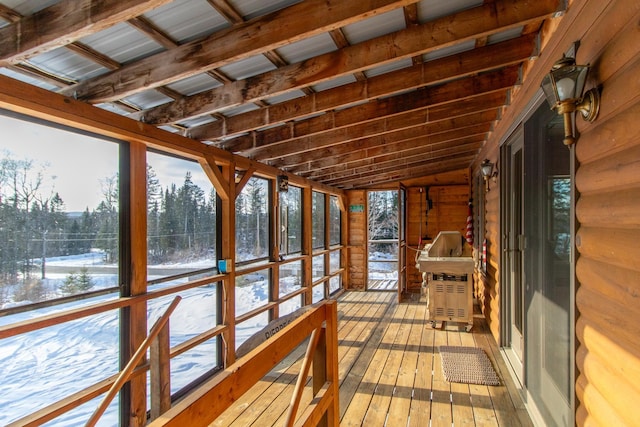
486	168
563	88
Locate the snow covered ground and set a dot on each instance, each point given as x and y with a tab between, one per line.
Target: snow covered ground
42	367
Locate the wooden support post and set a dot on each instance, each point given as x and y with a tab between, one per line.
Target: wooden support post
344	238
317	337
307	243
229	252
160	367
320	359
331	362
274	228
137	391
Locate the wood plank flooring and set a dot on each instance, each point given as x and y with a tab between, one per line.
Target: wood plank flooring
382	285
390	373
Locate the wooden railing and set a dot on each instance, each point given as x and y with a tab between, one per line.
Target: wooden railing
203	405
160	328
158	364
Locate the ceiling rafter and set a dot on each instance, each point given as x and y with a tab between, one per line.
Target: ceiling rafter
451	68
146	27
408	139
415	170
428	117
9	14
428	37
379	149
63	23
355	150
226	46
379	165
465	88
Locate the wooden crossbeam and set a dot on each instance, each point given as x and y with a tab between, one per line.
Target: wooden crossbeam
435	72
437	34
241	41
65	22
498	81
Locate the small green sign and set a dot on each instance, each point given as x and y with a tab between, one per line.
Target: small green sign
356	208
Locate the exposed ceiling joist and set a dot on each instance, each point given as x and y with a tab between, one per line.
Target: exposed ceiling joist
350	94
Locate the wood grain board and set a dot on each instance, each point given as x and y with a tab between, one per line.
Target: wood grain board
390	373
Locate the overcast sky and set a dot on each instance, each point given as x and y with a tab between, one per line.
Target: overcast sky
75	164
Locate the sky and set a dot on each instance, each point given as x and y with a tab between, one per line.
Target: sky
75	164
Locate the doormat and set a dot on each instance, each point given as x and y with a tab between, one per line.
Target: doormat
468	365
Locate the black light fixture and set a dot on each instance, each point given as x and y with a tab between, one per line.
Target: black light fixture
283	183
486	168
563	88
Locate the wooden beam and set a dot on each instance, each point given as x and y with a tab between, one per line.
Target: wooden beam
354	151
38	74
498	81
93	55
33	101
391	123
476	22
437	71
211	169
415	171
408	147
241	41
9	14
147	28
491	101
225	9
394	149
245	178
137	314
65	22
419	155
36	102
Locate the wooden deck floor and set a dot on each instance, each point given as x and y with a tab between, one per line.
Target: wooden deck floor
382	285
390	373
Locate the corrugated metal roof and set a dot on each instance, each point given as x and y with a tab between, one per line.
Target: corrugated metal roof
253	8
195	84
67	64
27	79
186	20
190	27
449	50
28	7
307	48
122	43
147	99
329	84
428	10
375	26
248	67
386	68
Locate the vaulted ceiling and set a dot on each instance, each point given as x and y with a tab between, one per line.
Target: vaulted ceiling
350	93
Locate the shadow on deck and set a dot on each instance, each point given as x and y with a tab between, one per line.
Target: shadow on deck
390	373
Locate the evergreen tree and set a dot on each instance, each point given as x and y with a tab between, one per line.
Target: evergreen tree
77	283
107	220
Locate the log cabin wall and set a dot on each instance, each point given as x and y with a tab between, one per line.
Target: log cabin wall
357	239
449	195
608	201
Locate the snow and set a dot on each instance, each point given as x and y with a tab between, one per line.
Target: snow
44	366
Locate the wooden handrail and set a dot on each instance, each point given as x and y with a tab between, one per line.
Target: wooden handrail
23	327
204	404
124	375
302	376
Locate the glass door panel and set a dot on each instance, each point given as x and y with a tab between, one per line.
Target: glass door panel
548	293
